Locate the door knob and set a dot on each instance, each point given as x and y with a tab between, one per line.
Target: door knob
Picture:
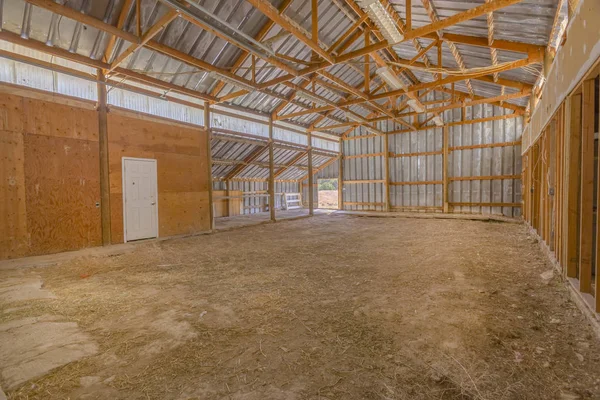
153	203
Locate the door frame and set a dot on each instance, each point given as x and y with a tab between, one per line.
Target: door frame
153	160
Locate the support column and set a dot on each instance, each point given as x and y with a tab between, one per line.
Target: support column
341	177
271	172
386	160
445	170
311	189
587	188
104	162
211	205
572	184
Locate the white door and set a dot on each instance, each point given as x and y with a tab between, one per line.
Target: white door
140	206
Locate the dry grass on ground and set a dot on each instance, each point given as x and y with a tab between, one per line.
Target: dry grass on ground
333	307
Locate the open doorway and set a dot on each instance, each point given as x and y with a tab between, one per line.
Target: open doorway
328	194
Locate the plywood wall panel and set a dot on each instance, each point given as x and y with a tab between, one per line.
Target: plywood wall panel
181	168
154	136
62	189
12	118
116	217
180	173
183	213
13	217
52	119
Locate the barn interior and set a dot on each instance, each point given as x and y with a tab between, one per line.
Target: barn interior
288	199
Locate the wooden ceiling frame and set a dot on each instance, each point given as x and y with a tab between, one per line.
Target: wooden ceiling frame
116	32
433	16
264	30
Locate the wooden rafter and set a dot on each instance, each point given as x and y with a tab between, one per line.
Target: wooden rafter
259	36
453	49
370	50
146	37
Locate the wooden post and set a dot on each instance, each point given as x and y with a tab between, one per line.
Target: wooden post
572	184
211	211
341	177
597	274
228	200
271	172
587	188
386	160
104	162
311	205
445	170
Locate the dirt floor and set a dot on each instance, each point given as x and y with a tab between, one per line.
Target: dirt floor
333	307
328	199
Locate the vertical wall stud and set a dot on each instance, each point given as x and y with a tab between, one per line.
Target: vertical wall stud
271	172
211	211
104	162
311	188
587	188
386	160
445	170
341	177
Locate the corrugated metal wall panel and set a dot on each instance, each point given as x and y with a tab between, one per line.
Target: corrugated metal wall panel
495	161
363	196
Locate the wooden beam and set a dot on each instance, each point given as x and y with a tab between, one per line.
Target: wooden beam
86	19
311	189
211	212
125	8
573	184
587	188
484	178
271	12
259	36
341	178
483	42
105	215
486	145
445	144
153	31
459	18
386	160
133	76
271	173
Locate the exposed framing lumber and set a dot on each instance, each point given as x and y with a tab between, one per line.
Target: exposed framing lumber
573	184
311	189
271	173
105	215
445	143
271	12
416	154
476	204
244	56
211	211
152	32
364	156
484	178
587	185
459	18
485	146
416	183
125	8
357	182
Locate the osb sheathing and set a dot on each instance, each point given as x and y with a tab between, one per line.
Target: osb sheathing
49	173
50	169
573	60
